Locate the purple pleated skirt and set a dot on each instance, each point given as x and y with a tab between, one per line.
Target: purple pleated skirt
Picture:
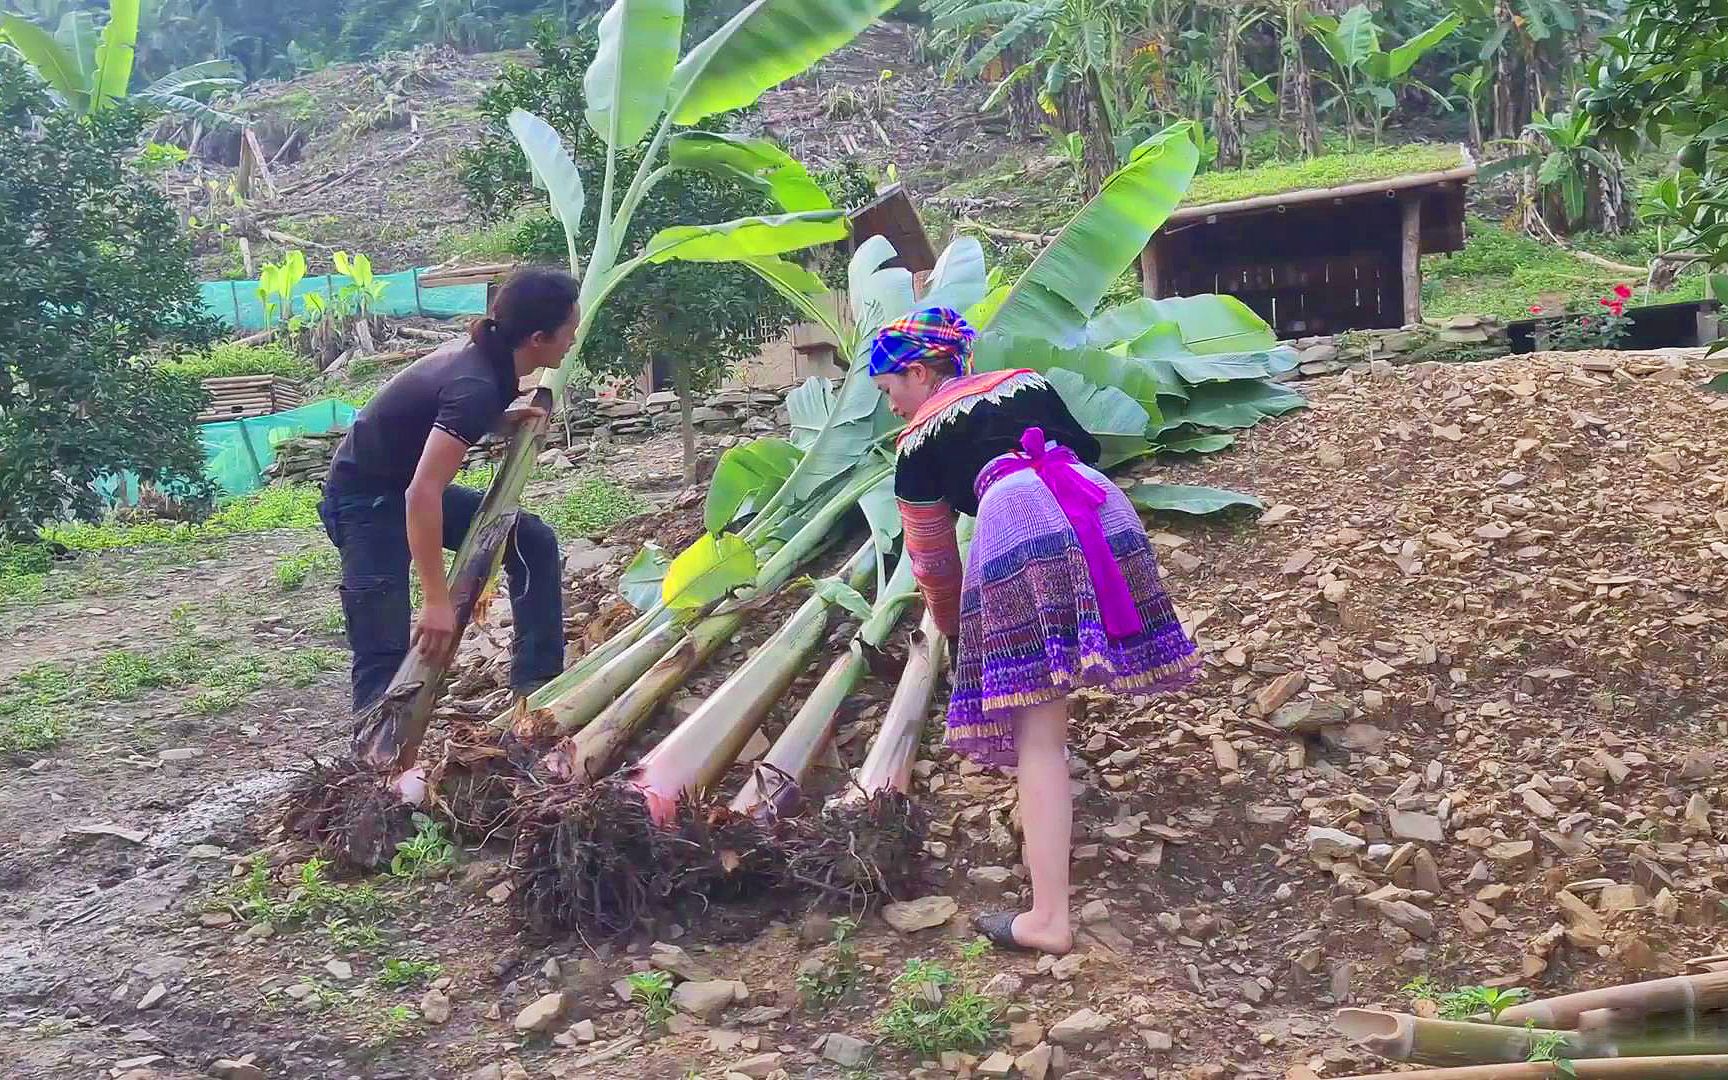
1030	631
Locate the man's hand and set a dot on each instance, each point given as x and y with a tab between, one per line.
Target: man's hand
523	413
435	633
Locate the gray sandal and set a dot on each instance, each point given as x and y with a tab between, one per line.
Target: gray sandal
998	929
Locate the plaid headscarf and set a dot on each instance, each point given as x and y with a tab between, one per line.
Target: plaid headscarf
931	336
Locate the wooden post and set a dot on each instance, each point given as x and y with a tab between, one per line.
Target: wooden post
1150	284
1411	251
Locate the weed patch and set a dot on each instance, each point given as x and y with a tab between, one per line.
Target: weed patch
933	1013
653	991
292	572
597	504
400	972
293	506
427	853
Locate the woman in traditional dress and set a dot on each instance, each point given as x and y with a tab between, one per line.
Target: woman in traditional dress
1059	589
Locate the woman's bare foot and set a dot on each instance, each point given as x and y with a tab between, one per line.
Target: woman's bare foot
1046	935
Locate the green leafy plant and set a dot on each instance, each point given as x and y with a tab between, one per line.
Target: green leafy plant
1369	76
653	991
276	285
820	987
1561	149
91	73
1548	1048
428	852
1421	988
73	199
363	292
931	1013
292	572
353	935
1468	1001
399	972
1604	328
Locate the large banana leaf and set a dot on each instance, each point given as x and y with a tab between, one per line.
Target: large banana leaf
707	570
115	53
799	287
957	281
553	170
746	477
53	64
180	92
1191	371
1239	404
1116	420
77	33
1352	39
835	431
626	84
761	47
1394	65
746	238
1060	290
643	579
756	163
995	352
879	293
1190	499
1182	324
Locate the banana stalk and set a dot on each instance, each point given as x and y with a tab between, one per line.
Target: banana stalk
1449	1042
697	753
888	765
591	753
1695	1067
773	788
1682	994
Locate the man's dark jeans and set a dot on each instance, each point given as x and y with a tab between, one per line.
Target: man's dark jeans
371	532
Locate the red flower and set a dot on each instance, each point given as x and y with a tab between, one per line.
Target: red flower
1605	302
1617	307
1624	292
1535	309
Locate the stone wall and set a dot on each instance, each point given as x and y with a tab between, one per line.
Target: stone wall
1460	338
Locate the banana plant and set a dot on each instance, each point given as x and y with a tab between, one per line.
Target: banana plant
637	88
90	71
1368	75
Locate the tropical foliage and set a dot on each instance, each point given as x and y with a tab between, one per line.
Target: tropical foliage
93	270
89	69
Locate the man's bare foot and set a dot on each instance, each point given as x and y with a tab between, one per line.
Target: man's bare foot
1049	936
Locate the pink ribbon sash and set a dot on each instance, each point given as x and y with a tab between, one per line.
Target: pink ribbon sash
1080	501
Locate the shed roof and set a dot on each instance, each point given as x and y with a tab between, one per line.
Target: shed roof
1339	176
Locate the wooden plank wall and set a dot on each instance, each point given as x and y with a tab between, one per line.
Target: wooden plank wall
1311	269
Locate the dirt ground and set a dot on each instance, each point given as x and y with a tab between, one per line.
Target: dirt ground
1476	633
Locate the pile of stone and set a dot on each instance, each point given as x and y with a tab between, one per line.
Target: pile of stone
1461	337
304	459
735	409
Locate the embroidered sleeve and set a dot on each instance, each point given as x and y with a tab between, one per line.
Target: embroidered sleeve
935	555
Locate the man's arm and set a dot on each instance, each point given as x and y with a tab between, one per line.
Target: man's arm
435	633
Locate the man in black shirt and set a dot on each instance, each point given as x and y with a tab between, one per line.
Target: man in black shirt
390	500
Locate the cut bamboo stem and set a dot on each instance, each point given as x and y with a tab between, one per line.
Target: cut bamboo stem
388	735
1448	1042
1693	1067
697	753
774	788
1681	994
888	765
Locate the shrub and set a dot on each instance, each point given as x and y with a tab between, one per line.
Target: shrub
93	271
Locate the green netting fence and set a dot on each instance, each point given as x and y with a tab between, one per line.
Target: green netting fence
236	452
238	304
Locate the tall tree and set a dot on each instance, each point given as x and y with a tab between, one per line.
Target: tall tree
93	271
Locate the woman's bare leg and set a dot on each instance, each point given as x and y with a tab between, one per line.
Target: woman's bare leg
1046	822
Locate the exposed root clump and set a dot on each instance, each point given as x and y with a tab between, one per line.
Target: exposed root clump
590	858
473	785
349	813
856	852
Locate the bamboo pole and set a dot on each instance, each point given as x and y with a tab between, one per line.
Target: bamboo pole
1681	994
1448	1042
697	753
1693	1067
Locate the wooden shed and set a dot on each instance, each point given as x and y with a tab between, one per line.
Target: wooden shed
1316	260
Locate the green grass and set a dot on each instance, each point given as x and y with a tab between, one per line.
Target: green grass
1330	170
41	704
400	972
960	1018
596	504
497	241
228	360
292	506
292	572
1503	273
